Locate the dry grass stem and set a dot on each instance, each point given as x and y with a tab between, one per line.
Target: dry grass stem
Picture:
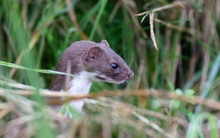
72	16
140	93
146	112
175	4
152	35
153	125
179	28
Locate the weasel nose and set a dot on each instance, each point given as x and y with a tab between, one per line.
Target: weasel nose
130	74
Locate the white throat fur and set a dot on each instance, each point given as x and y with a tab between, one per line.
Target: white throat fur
80	85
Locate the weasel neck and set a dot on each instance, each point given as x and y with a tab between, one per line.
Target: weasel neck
80	85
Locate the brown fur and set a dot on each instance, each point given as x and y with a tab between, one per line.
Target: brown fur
91	57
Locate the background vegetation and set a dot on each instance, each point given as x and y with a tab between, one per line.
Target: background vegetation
35	33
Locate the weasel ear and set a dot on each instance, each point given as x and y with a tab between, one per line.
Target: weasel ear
105	42
92	54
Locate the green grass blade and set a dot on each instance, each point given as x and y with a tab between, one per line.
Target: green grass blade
11	65
104	3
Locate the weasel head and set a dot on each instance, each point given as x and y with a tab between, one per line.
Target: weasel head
107	66
92	62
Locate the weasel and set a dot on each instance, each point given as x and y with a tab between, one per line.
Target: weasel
90	62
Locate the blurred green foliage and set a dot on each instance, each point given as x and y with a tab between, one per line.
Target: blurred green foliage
186	53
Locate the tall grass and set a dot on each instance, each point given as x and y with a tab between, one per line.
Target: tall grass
34	34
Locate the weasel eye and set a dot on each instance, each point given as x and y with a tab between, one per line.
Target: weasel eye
114	65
